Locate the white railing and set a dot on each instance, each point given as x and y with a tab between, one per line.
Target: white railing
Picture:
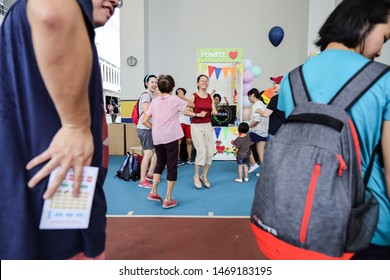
110	75
3	9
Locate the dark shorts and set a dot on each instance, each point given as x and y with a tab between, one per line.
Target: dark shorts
145	136
167	155
257	138
243	161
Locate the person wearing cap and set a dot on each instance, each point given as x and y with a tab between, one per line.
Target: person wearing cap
276	116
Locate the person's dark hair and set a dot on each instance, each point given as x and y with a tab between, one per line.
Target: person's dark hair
261	96
182	89
243	127
255	92
218	96
165	83
352	21
147	78
198	79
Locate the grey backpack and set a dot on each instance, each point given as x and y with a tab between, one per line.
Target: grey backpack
310	200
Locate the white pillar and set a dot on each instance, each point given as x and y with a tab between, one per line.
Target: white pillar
133	42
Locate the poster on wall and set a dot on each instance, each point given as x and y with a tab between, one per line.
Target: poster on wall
225	69
112	106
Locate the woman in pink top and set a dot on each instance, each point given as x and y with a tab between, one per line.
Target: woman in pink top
202	131
166	132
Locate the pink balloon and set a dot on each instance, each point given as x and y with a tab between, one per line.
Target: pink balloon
247	87
246	114
248	76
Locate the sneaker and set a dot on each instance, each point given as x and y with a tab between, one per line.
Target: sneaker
258	174
253	168
169	204
150	178
190	161
239	180
180	162
154	197
246	179
145	184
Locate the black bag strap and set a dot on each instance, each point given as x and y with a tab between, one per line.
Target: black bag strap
359	84
377	150
349	94
300	94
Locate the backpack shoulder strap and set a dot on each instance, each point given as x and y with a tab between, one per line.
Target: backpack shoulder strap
359	84
298	87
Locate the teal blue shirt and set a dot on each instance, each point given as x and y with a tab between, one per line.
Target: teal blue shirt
324	75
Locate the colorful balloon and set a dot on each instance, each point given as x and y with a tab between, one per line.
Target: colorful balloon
246	114
246	88
245	102
248	76
276	35
247	64
256	70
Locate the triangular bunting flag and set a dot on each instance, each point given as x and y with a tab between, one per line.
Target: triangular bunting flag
225	132
197	67
241	68
233	70
217	131
234	130
217	72
211	70
203	68
225	71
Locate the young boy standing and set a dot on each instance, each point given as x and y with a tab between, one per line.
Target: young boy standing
242	144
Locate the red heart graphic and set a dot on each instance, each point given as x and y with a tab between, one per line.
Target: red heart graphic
233	55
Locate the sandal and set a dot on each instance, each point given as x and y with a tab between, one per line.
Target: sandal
197	184
205	182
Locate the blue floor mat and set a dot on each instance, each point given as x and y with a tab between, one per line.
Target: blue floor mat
225	197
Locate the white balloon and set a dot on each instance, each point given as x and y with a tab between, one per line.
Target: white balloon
245	102
247	64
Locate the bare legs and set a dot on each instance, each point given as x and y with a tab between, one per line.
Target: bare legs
260	146
202	177
189	147
240	167
171	184
148	158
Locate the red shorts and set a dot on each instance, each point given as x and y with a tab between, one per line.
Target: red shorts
187	130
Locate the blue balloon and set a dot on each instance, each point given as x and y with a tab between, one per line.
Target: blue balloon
276	35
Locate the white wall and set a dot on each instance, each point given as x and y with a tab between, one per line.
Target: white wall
107	40
133	33
178	27
319	11
164	36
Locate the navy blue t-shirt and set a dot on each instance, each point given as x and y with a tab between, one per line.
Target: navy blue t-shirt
28	123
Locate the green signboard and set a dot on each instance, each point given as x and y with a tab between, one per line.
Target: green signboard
220	55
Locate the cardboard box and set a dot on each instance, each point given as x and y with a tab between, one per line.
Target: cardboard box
133	144
136	150
116	139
